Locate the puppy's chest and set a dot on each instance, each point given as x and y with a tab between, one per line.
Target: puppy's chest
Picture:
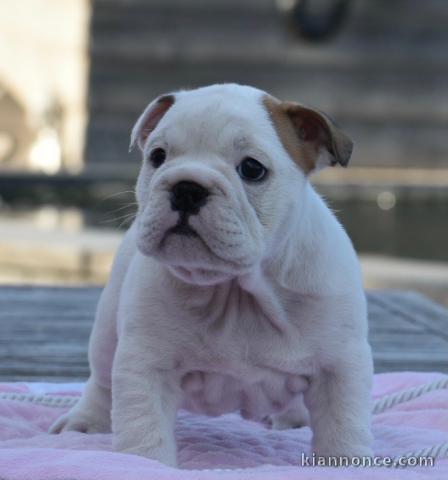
242	361
236	332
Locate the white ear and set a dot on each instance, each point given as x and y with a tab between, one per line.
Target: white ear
149	119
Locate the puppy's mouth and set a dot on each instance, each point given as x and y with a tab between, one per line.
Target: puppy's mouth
182	227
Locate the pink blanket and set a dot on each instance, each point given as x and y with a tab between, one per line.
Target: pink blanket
209	448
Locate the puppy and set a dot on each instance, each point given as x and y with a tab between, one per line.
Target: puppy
235	289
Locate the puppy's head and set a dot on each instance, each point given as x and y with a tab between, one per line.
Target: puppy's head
224	170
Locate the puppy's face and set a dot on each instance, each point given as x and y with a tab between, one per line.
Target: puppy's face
224	169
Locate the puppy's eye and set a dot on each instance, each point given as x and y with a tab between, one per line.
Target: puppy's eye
251	170
157	157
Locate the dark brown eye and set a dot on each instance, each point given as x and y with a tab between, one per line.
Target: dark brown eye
251	170
157	157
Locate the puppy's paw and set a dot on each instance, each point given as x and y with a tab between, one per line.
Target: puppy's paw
296	416
285	422
81	422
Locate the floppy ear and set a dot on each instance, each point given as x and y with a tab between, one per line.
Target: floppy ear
312	139
319	131
149	119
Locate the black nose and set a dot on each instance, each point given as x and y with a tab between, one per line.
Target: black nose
188	197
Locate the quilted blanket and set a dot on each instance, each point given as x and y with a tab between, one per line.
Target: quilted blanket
225	447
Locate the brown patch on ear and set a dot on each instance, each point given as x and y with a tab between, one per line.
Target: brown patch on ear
304	132
300	153
150	118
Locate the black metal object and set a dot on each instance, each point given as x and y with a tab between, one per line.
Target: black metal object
318	26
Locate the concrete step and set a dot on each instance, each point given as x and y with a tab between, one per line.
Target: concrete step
138	29
383	78
382	144
367	93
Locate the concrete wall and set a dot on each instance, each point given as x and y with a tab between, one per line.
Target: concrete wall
384	77
43	74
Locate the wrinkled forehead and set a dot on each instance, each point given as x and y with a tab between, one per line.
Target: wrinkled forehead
214	117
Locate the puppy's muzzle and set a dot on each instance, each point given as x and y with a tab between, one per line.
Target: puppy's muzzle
188	198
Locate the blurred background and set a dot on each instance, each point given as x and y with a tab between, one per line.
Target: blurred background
74	75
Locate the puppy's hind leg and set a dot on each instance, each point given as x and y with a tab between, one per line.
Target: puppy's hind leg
295	416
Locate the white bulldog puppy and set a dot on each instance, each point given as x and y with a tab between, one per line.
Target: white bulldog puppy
235	288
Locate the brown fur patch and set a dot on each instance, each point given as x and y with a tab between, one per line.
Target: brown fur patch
303	154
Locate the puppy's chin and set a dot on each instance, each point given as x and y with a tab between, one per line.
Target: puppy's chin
200	276
188	257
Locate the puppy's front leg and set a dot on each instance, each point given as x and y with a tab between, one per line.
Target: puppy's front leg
340	405
144	404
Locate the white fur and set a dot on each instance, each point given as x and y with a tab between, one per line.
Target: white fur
265	307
